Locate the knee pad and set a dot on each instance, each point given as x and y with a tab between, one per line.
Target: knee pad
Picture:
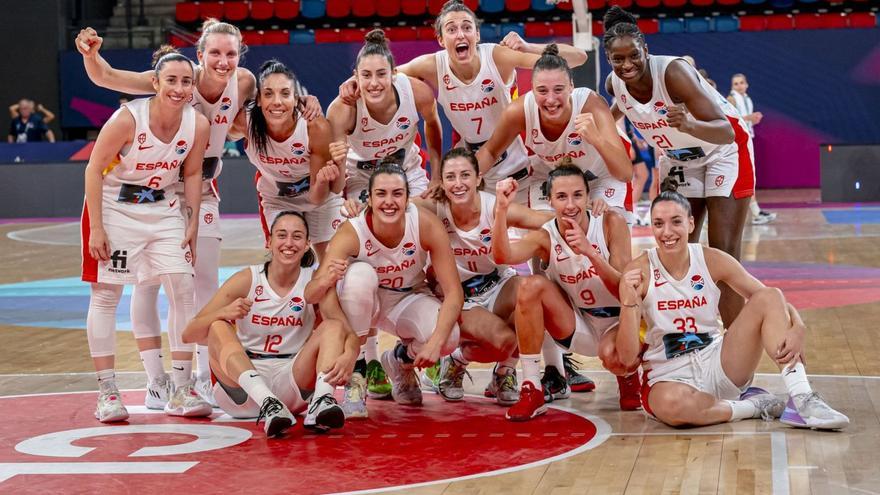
179	290
101	319
357	296
145	321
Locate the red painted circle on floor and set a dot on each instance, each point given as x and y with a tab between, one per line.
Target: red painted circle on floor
396	446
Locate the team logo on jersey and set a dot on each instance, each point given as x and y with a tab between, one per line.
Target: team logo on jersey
560	256
446	81
657	282
298	149
719	180
403	123
368	247
487	86
142	138
335	224
296	304
697	282
574	139
486	236
409	249
364	125
660	107
609	193
258	290
225	103
180	147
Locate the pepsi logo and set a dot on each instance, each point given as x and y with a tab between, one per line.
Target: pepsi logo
296	303
403	123
486	236
142	137
181	147
574	139
298	149
697	282
225	103
409	249
487	86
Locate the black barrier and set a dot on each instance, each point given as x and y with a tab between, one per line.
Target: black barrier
850	172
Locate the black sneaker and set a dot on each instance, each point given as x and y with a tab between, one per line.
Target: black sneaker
276	417
324	413
554	384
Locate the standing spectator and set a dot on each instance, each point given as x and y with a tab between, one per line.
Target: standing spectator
740	99
26	126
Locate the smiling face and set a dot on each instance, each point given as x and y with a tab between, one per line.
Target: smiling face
460	180
388	197
552	90
568	198
174	84
459	36
289	241
628	58
739	84
220	57
374	77
277	99
671	225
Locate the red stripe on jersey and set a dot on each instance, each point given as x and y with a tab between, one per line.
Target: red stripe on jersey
744	187
89	264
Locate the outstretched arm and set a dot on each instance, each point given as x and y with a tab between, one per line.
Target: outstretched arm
88	43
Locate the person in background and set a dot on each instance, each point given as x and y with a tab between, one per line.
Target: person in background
27	126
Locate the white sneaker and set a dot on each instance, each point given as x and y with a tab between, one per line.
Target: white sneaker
768	407
110	407
158	392
811	411
503	387
186	402
354	402
405	387
760	220
276	417
324	413
205	389
452	373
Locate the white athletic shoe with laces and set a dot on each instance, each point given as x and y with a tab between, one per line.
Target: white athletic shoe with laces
186	402
158	392
110	408
354	402
323	414
811	411
767	406
205	389
276	417
405	387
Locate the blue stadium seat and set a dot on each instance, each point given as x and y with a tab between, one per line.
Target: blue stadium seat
302	37
312	9
753	2
541	5
490	32
507	27
697	25
491	6
782	4
671	25
726	23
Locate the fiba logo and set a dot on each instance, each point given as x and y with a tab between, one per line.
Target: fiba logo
660	108
486	236
180	147
296	304
609	193
403	123
258	290
297	149
225	103
487	86
409	249
142	138
574	139
697	282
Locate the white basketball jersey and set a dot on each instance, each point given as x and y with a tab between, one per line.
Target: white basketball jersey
682	315
549	154
400	267
220	114
574	272
285	166
475	109
649	118
472	248
276	324
149	162
371	141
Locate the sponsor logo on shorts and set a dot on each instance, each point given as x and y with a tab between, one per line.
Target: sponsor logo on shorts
403	123
181	147
296	304
719	180
118	262
660	108
486	236
697	282
487	86
574	139
298	149
209	218
225	103
409	249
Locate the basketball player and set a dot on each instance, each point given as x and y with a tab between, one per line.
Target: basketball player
702	141
132	227
295	171
576	301
267	351
221	89
697	374
383	252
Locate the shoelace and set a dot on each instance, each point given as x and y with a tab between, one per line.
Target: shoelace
457	373
270	406
555	382
324	399
508	382
570	364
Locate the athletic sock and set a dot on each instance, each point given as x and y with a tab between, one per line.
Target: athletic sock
252	382
531	364
322	388
152	359
741	409
106	378
371	348
552	353
459	358
795	378
181	371
203	364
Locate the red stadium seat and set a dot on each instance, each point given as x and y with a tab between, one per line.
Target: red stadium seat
351	35
598	28
414	7
235	11
517	5
186	12
252	38
276	37
561	28
595	4
388	8
426	33
833	20
647	4
780	22
262	10
566	6
363	8
624	4
402	33
178	42
338	8
286	9
752	23
434	6
862	20
674	4
211	10
538	30
729	2
327	36
807	21
648	26
702	3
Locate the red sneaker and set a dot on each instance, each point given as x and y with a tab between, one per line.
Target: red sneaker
630	392
530	404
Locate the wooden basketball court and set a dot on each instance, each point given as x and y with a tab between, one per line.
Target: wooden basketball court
824	257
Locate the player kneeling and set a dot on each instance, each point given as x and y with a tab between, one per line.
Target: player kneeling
268	354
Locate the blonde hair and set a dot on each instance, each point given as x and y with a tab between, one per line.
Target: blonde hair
214	26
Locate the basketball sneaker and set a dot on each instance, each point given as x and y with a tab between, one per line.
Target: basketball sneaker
554	384
276	417
354	399
324	413
404	381
576	381
811	411
530	404
205	389
110	407
630	388
768	406
503	387
378	386
186	402
451	377
158	392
